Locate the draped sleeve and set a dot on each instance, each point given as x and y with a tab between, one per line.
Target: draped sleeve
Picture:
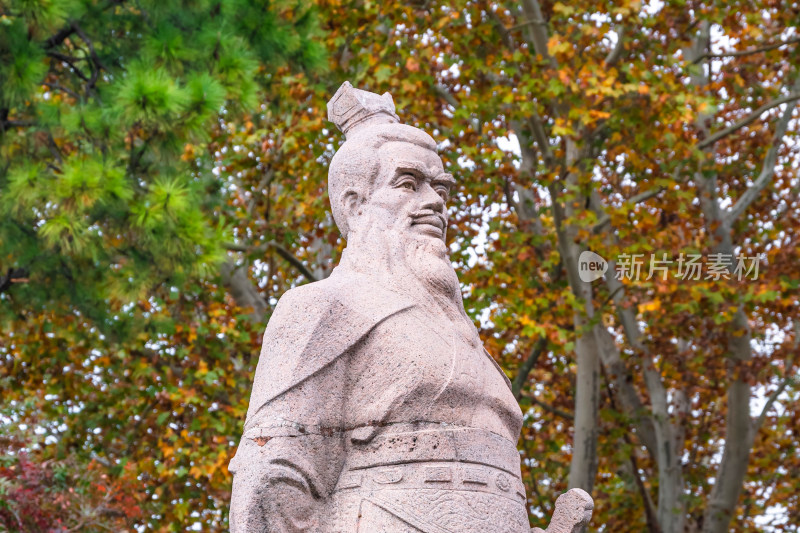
292	449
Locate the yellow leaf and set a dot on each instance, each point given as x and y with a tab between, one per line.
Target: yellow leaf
650	306
558	7
555	46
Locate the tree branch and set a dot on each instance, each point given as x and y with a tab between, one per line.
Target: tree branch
526	367
69	60
788	381
442	91
59	37
770	402
549	408
768	168
540	136
649	508
98	65
53	147
242	290
536	35
633	200
58	87
747	120
501	29
280	249
18	123
616	52
13	275
536	28
69	29
739	53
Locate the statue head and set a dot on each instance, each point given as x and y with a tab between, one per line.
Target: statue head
386	172
388	192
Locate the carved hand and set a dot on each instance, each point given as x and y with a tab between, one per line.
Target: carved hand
573	511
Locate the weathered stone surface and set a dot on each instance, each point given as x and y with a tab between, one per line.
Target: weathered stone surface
573	511
375	407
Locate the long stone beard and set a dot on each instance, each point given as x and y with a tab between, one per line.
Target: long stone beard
415	265
430	265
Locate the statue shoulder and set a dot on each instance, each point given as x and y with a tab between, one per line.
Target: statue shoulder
302	300
351	295
312	326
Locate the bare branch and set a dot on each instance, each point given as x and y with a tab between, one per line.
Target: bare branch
69	60
58	87
18	123
540	136
448	97
536	29
752	117
244	293
646	195
526	367
616	52
649	507
527	22
53	147
739	53
633	200
59	37
13	275
549	408
501	29
788	381
97	64
771	401
281	250
768	168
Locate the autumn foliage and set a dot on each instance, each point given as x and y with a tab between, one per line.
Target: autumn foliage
163	182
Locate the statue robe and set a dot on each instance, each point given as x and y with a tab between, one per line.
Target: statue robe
368	413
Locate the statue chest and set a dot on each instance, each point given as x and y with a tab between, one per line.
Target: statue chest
416	368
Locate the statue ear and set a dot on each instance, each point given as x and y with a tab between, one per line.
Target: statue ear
351	201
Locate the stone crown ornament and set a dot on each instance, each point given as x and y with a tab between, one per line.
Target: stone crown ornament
352	109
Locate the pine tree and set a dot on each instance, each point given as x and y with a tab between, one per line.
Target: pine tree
106	111
111	240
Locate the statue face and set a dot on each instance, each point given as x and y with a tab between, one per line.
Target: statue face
411	190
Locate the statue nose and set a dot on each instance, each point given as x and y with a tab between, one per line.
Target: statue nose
431	199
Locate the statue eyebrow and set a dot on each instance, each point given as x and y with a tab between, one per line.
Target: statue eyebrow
444	179
419	170
413	167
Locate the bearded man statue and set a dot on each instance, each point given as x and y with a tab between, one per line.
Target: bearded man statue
375	407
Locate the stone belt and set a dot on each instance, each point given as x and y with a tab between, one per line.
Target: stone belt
467	445
434	476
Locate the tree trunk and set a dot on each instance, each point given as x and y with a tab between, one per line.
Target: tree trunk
242	290
583	467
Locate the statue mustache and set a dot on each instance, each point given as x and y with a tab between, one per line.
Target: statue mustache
429	217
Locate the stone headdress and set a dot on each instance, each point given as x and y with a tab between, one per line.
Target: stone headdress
352	109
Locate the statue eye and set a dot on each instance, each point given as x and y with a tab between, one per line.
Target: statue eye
409	184
444	192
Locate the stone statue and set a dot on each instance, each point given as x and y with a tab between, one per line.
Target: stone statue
375	407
